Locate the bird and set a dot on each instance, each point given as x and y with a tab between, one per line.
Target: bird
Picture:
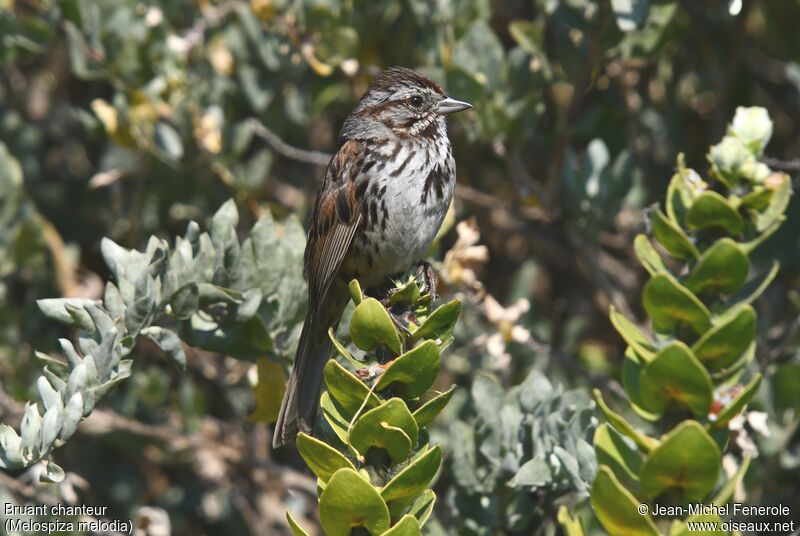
381	201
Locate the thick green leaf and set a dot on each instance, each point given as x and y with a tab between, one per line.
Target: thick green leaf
390	426
676	374
613	452
723	267
332	413
571	526
684	187
406	294
645	443
738	403
415	370
440	324
430	409
297	530
407	526
781	186
724	343
711	210
671	236
342	351
350	501
321	458
371	326
631	334
422	507
414	478
356	294
669	303
616	507
632	367
687	458
754	288
648	255
347	389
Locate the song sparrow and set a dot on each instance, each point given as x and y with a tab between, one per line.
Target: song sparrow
381	201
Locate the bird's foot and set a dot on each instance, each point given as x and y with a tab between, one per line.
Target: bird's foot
427	274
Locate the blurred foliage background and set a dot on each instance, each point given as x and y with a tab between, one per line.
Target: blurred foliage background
129	118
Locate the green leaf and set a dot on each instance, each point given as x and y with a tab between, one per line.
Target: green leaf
371	326
390	426
342	351
571	526
753	288
684	188
350	501
616	507
422	507
722	345
645	443
687	458
332	413
168	341
669	303
407	526
439	325
671	236
347	389
781	186
737	405
711	210
69	311
322	459
185	301
632	367
297	530
722	267
534	473
415	370
758	199
613	452
631	334
430	409
405	294
648	255
676	374
356	294
414	478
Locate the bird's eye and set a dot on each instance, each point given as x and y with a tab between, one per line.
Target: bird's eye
415	100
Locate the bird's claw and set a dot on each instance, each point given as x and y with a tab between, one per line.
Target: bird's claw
427	274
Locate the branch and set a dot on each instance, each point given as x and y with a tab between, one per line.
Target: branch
317	158
784	165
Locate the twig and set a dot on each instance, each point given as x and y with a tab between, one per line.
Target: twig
317	158
783	165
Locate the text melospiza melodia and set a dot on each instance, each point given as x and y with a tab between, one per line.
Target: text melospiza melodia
382	199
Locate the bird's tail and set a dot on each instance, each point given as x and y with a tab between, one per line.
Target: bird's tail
301	400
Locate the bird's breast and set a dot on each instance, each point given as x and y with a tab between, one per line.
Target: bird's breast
404	207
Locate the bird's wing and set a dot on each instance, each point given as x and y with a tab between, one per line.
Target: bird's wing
334	221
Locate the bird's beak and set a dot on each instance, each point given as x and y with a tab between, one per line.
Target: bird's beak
449	105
